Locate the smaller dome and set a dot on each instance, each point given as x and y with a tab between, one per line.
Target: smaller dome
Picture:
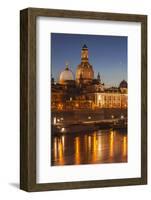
123	84
66	75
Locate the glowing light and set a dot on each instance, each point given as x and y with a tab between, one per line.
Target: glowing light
89	143
54	120
89	117
99	144
77	105
63	139
60	106
60	149
122	117
62	129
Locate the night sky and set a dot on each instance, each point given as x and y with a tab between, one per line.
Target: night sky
107	55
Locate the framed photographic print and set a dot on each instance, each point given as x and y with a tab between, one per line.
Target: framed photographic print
83	93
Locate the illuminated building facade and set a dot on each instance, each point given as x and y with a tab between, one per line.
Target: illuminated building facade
111	100
84	91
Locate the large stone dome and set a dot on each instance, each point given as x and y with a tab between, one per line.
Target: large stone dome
84	71
66	75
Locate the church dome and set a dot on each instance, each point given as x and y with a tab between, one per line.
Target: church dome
123	84
66	75
84	71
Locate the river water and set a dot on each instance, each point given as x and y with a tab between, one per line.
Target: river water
102	146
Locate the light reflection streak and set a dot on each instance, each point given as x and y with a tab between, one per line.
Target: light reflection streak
89	143
60	153
111	143
63	139
94	154
125	146
90	148
55	147
77	150
99	147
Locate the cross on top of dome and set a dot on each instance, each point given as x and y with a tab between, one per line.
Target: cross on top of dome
67	66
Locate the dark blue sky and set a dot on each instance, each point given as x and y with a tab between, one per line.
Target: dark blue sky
107	55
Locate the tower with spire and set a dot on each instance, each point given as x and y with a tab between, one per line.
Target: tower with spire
84	68
98	77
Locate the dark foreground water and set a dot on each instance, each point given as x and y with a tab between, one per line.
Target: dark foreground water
103	146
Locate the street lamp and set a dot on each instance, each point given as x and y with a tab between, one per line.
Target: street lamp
62	129
122	117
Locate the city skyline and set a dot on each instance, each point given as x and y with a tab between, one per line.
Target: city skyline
107	55
89	119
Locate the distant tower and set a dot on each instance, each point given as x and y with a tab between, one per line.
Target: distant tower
84	68
52	80
98	77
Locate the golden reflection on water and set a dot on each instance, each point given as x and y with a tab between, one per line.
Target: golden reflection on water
62	138
98	147
125	146
77	150
59	146
55	147
111	143
94	150
89	143
61	160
